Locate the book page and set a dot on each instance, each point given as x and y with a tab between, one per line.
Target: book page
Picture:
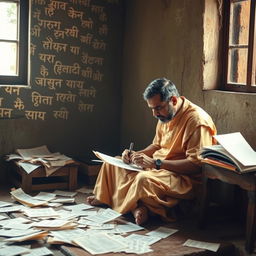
117	162
238	147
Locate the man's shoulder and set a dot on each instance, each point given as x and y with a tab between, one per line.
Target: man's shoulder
197	115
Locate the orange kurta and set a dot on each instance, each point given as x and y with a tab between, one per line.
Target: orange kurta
180	138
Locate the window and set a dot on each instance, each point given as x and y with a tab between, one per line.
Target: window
239	45
14	59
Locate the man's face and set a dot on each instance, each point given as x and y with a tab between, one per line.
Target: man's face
162	110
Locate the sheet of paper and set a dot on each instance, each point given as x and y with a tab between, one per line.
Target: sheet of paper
66	236
28	167
136	246
16	232
54	204
104	216
45	196
13	157
16	208
66	215
41	212
78	207
26	199
63	200
64	193
117	162
14	221
128	227
202	245
99	243
21	226
162	232
34	236
12	250
86	222
84	212
146	239
31	152
3	217
237	146
51	223
3	204
41	251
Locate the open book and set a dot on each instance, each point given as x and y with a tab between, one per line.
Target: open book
233	153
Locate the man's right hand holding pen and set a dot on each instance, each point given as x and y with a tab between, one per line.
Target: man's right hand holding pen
127	154
139	158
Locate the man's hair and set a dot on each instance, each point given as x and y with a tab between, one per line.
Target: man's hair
162	86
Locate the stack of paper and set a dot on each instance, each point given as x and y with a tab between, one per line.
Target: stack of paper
31	159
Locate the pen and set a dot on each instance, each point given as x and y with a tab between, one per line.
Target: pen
130	150
131	147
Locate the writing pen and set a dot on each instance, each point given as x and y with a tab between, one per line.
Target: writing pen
130	150
131	147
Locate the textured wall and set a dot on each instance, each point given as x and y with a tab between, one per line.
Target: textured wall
177	39
64	36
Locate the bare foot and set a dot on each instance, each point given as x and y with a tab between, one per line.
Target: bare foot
141	215
93	201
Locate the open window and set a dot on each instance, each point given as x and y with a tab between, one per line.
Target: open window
239	45
14	42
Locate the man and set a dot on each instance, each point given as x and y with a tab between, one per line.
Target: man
171	163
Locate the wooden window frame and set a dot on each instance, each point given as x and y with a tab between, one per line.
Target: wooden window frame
23	59
252	36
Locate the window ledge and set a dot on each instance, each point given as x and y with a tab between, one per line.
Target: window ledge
253	94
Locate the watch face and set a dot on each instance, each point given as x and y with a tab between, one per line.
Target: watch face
158	164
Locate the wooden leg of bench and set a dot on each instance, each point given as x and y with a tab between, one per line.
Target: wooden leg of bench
250	222
204	202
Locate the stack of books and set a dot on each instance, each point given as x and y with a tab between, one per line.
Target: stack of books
233	153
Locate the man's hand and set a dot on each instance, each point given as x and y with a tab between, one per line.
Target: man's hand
127	156
142	160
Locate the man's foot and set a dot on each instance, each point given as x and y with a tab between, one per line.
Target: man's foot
140	215
93	201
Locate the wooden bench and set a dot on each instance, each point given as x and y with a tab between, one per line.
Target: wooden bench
246	181
63	178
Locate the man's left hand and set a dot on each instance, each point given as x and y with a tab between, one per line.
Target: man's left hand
143	160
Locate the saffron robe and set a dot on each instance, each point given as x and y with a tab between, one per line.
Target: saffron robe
180	138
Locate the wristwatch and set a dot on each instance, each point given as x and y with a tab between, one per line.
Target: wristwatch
158	164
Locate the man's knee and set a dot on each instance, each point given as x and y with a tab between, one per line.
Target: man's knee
141	178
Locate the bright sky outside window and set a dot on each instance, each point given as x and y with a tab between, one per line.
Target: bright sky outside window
8	38
14	42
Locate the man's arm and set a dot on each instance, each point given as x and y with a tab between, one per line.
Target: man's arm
182	166
149	150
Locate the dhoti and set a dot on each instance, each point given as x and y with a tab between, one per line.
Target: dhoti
157	190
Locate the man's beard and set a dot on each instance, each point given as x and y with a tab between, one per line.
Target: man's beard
169	117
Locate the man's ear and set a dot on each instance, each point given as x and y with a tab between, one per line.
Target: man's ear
174	100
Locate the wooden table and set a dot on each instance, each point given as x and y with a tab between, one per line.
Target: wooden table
246	181
63	178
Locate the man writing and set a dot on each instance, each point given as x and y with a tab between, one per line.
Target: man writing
171	163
